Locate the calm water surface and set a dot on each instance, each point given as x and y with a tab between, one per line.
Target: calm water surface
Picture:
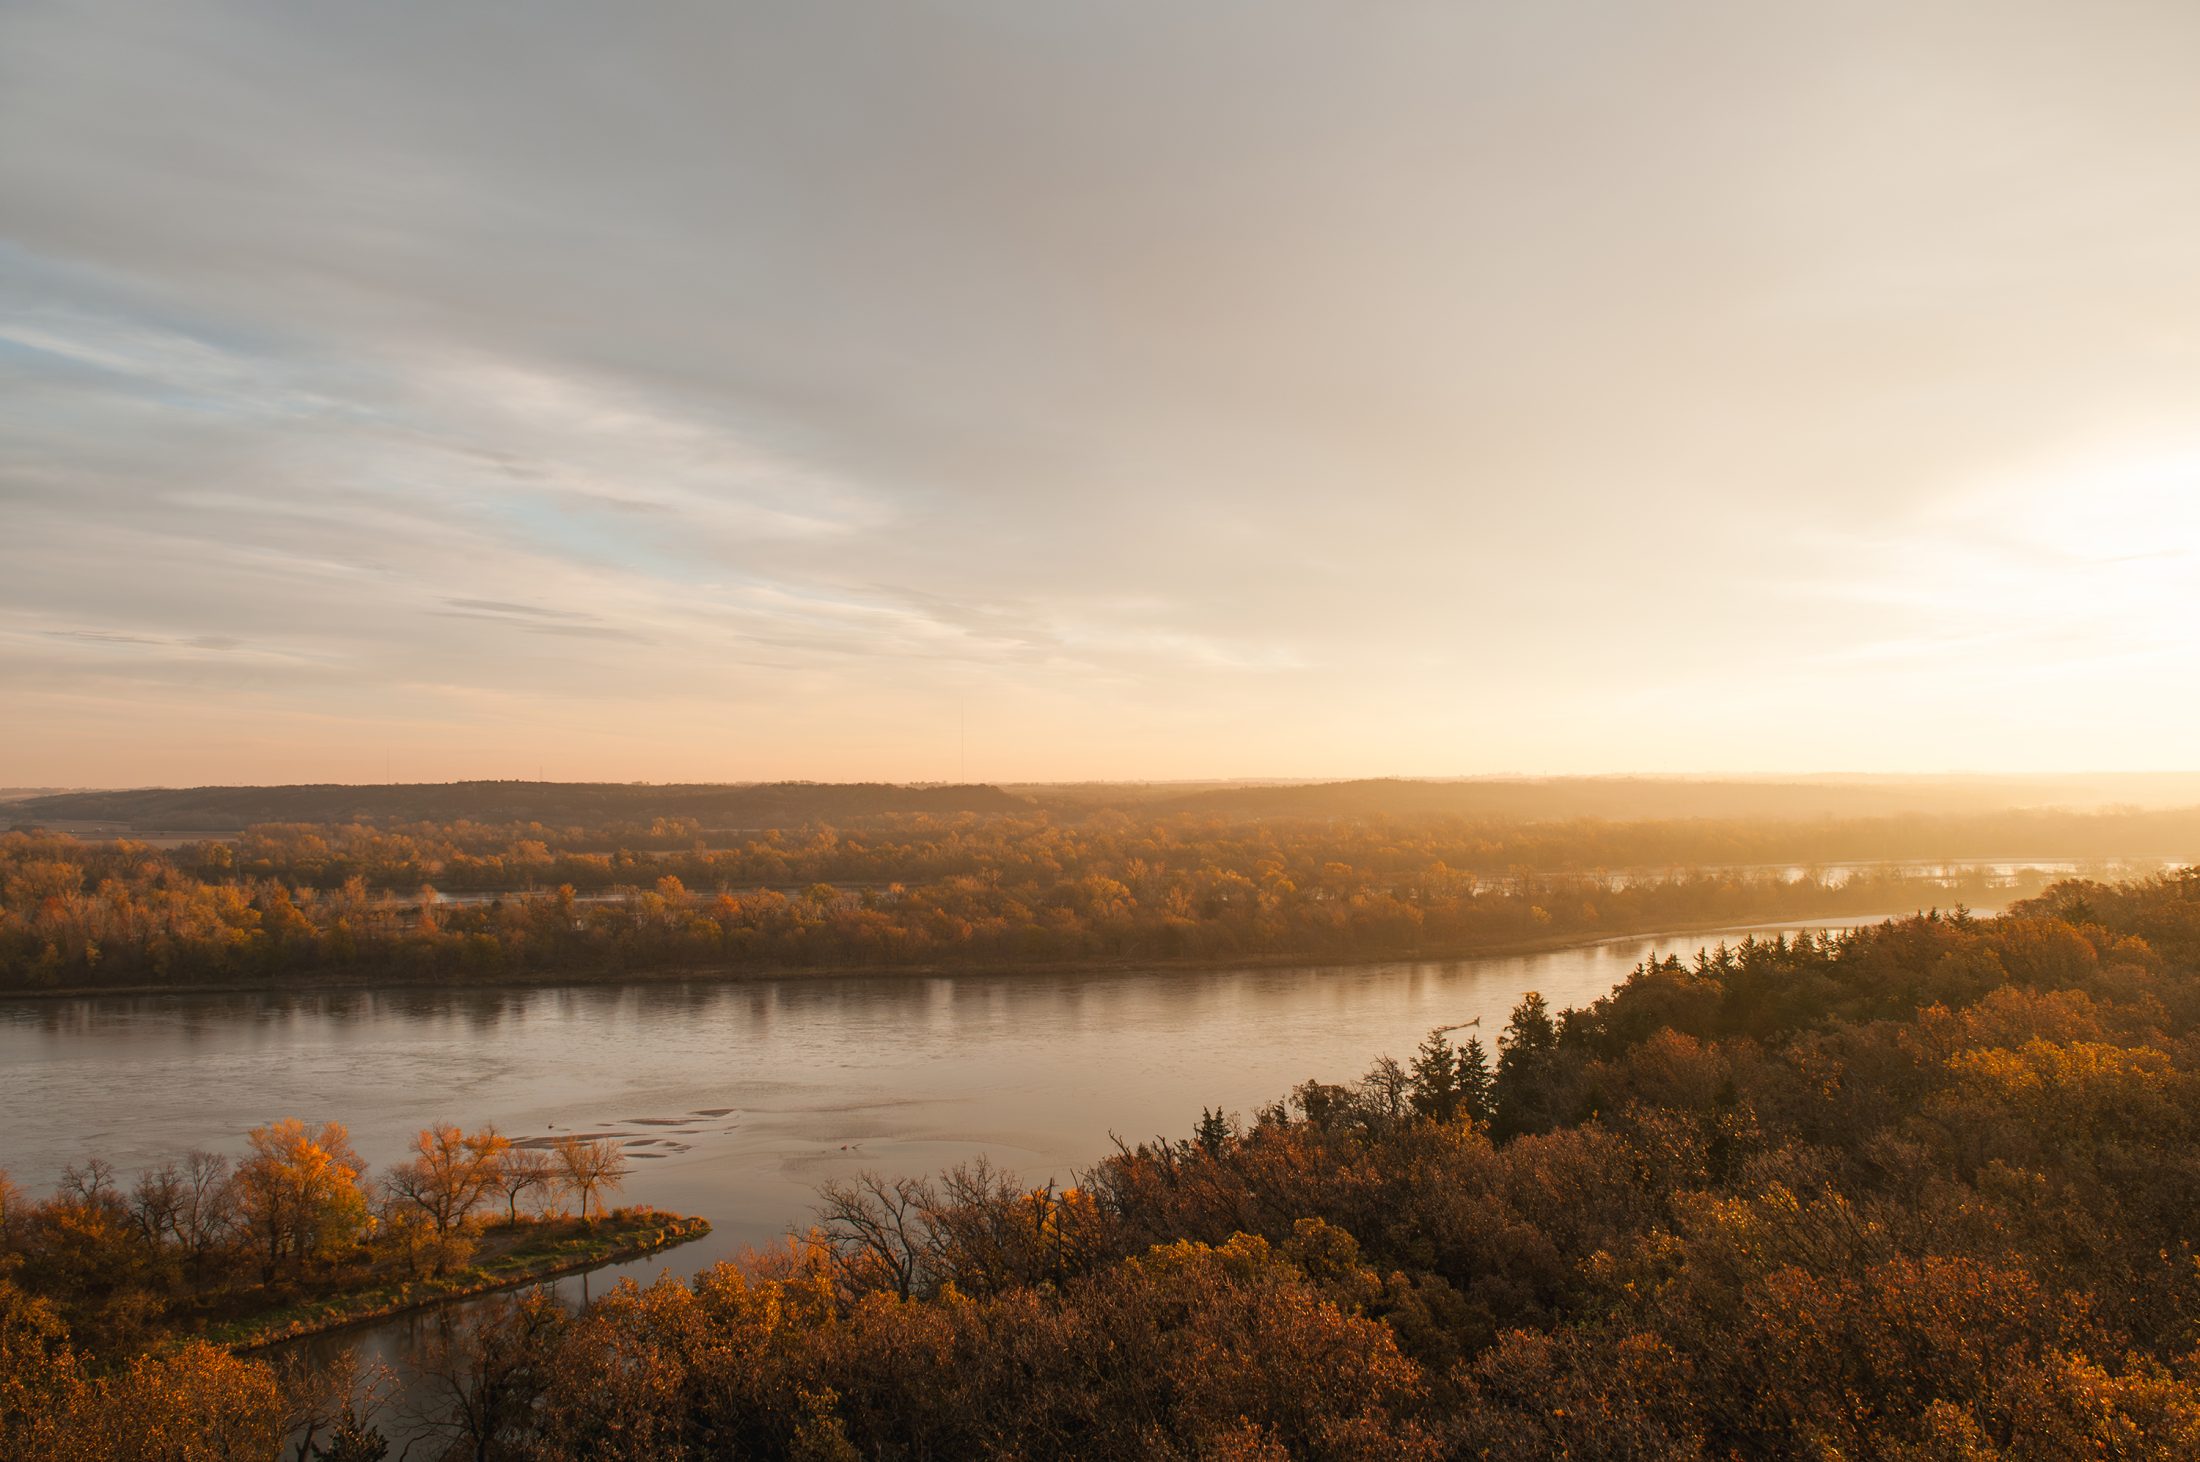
736	1100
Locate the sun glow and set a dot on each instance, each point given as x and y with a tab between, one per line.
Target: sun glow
2126	508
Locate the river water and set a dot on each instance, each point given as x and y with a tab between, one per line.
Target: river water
735	1100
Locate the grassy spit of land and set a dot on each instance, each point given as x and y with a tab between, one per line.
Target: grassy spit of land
254	1316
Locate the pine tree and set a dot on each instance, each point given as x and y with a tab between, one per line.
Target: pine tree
1477	1088
1436	1078
1525	1053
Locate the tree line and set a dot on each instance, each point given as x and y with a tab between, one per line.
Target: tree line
967	892
1033	846
204	1238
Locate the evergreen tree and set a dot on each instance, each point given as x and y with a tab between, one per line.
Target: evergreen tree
1436	1078
1525	1056
1477	1089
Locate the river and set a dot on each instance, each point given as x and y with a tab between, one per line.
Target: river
736	1099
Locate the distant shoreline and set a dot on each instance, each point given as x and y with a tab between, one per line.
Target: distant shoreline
316	984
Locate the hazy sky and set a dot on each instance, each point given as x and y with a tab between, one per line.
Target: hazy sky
1098	390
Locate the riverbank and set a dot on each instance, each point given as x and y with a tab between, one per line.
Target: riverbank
316	982
544	1249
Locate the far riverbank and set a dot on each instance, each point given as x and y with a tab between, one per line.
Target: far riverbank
318	982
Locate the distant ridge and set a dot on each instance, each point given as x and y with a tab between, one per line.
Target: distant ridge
716	805
1527	799
751	806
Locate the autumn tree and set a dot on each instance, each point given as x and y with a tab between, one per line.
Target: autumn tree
450	1173
195	1403
85	1249
299	1191
590	1167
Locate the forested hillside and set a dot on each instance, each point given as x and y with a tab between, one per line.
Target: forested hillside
1921	1192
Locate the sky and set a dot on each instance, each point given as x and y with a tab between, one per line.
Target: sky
1031	391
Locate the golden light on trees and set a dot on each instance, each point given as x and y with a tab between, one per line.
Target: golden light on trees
299	1192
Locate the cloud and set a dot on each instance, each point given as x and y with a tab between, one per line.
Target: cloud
499	607
1274	389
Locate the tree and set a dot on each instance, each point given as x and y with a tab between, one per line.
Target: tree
209	1205
1213	1132
196	1401
1477	1088
524	1170
1436	1078
407	1233
299	1191
157	1202
449	1174
12	1206
1386	1090
331	1407
492	1377
1526	1055
40	1383
880	1231
93	1184
590	1167
85	1250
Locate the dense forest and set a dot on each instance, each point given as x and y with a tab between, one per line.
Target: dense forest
293	903
1923	1191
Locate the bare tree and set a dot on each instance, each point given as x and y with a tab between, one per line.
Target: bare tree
156	1203
524	1170
491	1374
92	1184
589	1168
1387	1091
882	1229
974	1226
209	1207
331	1406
